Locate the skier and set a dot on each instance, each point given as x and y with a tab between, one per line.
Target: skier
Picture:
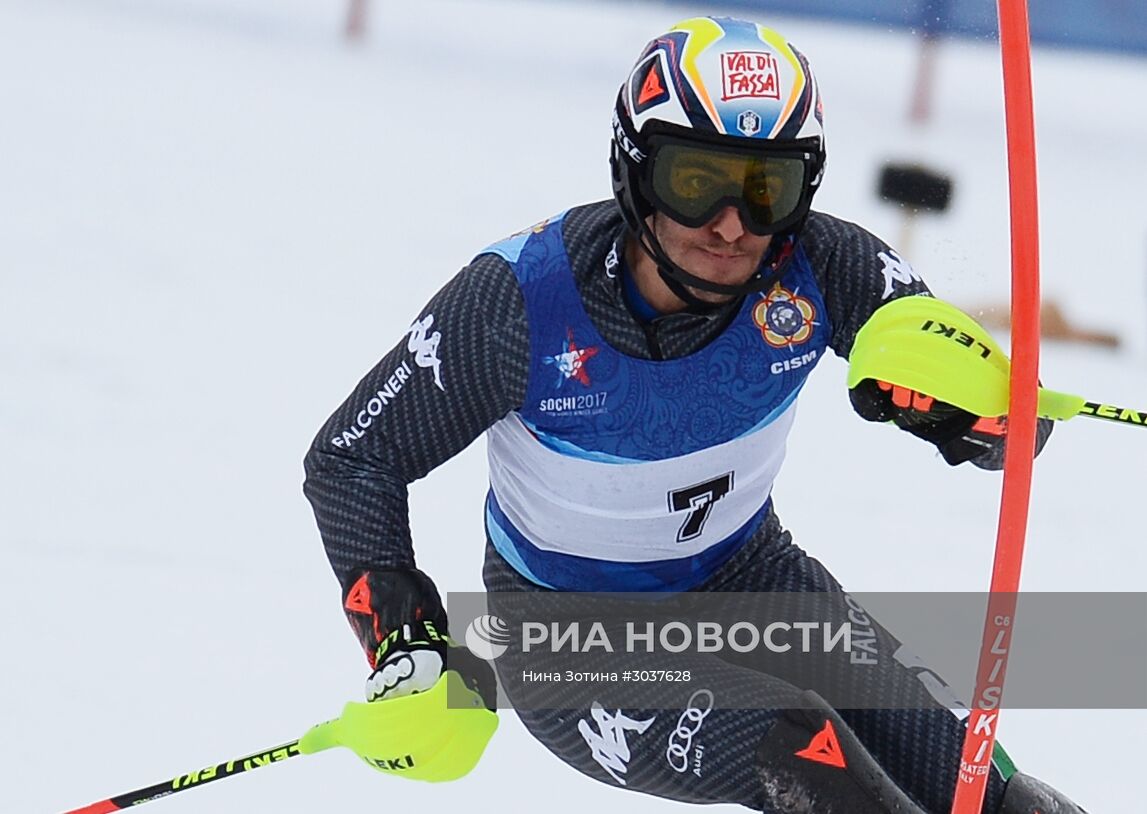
584	347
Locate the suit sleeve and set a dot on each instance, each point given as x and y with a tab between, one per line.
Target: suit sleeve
459	368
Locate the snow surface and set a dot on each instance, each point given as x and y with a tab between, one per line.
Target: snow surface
215	216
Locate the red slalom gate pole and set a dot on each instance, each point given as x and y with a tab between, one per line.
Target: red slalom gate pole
980	738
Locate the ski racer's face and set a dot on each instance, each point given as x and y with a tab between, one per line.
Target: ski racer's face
722	251
693	183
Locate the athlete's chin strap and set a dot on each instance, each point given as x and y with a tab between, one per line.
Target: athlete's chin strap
773	267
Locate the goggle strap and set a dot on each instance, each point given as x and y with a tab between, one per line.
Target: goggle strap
627	139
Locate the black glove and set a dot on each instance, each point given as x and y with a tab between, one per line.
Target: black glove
398	616
414	656
959	435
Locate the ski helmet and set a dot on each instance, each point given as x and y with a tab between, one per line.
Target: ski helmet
724	93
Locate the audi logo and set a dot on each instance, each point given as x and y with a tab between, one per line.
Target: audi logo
697	708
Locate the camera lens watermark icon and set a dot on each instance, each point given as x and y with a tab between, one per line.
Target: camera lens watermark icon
488	637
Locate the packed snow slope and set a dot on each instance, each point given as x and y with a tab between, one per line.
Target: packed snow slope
215	215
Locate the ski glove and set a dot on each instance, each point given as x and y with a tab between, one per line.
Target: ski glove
399	619
959	435
414	657
422	720
436	735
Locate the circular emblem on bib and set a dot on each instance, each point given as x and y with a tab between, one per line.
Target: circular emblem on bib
785	318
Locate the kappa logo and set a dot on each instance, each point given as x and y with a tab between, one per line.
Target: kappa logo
571	361
750	74
608	745
424	346
612	261
896	270
785	318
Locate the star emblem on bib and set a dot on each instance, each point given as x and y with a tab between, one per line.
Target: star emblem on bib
571	361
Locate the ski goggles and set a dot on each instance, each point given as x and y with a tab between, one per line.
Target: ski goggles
691	183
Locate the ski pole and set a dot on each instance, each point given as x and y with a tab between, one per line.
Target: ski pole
368	730
928	345
1112	413
1062	406
191	780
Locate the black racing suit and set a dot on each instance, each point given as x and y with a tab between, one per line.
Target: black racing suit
362	460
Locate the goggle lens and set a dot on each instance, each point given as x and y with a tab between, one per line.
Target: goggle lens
692	184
